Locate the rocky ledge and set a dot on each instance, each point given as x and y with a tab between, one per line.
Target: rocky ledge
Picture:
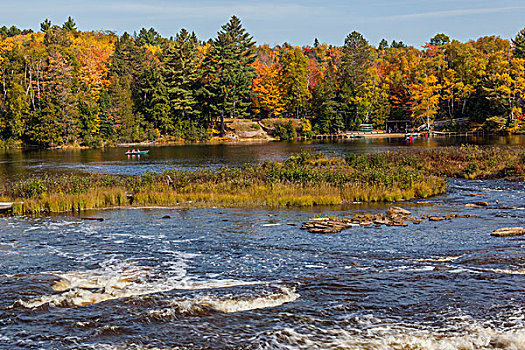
395	216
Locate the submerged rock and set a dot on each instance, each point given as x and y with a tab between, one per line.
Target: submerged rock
395	216
509	232
326	225
394	211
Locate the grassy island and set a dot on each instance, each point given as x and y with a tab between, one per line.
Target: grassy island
304	179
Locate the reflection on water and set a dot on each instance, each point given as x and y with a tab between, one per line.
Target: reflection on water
19	163
251	279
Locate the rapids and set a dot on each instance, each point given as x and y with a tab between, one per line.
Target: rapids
251	279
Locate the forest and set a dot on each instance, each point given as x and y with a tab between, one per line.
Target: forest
62	86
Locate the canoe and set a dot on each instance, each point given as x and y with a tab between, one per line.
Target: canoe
136	153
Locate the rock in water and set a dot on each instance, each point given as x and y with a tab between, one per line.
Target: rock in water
398	211
482	203
509	232
436	218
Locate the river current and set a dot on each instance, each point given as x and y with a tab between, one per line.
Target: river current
169	278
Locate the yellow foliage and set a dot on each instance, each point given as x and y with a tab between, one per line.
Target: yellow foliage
266	86
93	54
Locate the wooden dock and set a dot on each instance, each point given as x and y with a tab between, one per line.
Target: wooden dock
344	136
380	134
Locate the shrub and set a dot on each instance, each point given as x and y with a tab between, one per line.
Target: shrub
285	130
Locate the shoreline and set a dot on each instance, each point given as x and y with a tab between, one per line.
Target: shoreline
247	140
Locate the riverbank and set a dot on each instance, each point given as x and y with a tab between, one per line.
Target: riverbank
304	179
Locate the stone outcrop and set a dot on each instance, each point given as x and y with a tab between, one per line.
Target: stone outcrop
509	232
398	211
395	216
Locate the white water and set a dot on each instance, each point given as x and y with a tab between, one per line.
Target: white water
116	280
394	337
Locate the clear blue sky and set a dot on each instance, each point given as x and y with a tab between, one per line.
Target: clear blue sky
274	22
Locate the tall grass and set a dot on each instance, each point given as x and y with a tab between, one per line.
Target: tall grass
305	179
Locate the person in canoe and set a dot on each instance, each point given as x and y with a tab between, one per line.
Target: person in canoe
136	152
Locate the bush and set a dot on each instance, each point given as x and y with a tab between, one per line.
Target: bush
285	130
31	188
494	123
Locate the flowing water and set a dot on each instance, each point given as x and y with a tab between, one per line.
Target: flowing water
252	279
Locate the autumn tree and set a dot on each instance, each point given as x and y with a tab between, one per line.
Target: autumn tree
294	81
425	97
269	95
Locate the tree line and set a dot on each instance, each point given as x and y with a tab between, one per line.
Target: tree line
64	86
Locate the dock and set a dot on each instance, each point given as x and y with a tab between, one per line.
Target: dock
379	134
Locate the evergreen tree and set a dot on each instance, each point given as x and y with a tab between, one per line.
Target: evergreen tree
439	40
44	128
57	36
17	104
125	70
148	37
13	31
70	24
327	104
519	44
230	72
183	75
45	26
356	60
107	123
397	45
153	103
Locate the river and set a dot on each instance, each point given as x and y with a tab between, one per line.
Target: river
217	278
23	163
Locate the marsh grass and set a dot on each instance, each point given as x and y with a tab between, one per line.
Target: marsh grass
305	179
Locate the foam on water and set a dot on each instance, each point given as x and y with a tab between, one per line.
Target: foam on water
115	280
391	337
226	304
230	304
438	258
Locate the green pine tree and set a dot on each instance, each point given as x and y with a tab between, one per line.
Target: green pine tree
519	44
183	76
70	24
229	71
45	26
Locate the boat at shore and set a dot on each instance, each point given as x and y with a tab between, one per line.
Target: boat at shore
136	152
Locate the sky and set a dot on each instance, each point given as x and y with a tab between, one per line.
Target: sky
272	22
